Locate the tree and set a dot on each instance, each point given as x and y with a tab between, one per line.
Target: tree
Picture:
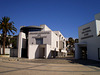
6	27
76	41
71	45
71	41
14	41
66	43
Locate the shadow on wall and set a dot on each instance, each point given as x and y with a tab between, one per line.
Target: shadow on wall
49	55
53	53
41	53
37	53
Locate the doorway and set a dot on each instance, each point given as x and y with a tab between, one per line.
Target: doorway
42	53
83	52
54	54
24	49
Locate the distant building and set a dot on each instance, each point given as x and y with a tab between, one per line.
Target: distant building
40	42
89	40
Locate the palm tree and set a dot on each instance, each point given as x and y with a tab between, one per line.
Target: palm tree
6	27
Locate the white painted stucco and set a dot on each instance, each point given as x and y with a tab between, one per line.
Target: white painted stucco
20	42
48	49
32	51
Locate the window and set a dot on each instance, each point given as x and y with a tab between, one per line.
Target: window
39	40
98	53
63	44
56	43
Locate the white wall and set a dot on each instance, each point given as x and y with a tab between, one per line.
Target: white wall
20	42
92	32
45	28
7	50
97	27
46	35
32	51
97	20
54	38
92	47
61	40
48	51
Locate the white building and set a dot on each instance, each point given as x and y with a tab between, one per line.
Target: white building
89	40
40	42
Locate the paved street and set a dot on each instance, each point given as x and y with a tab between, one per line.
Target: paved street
44	68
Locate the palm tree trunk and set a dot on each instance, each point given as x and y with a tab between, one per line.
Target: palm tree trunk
4	40
3	45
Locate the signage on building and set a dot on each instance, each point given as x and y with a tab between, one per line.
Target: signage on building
39	36
86	33
41	33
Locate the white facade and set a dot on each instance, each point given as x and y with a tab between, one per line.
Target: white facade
41	43
89	40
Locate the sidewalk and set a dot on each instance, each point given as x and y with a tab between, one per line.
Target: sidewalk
30	68
62	60
57	66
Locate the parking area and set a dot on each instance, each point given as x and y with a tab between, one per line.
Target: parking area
58	66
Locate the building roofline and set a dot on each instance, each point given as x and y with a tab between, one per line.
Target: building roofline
86	23
32	26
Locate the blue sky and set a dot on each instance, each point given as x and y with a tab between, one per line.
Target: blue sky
63	15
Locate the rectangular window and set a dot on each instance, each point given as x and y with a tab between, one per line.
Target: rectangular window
63	44
56	43
98	53
39	40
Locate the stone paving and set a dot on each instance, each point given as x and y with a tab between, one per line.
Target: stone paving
58	66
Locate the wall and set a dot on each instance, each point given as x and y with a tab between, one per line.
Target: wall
62	40
45	28
46	35
97	20
92	47
33	51
98	27
83	34
7	50
48	51
54	38
20	42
